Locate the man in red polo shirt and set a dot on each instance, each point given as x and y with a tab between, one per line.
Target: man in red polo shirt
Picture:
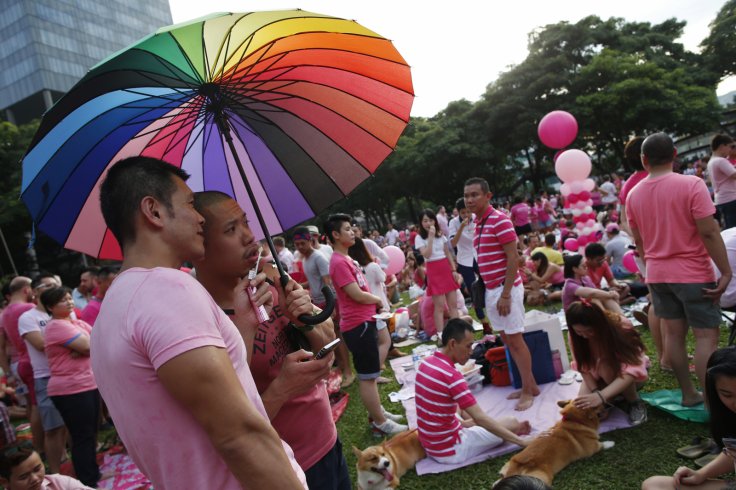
498	258
441	390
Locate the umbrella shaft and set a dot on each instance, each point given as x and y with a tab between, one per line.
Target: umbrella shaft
220	119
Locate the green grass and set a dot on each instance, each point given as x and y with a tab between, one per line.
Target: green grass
639	452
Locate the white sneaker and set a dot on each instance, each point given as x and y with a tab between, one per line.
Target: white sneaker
391	416
388	428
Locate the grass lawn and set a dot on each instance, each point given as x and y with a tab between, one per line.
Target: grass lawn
639	452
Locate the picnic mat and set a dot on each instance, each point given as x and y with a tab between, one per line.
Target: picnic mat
669	401
542	415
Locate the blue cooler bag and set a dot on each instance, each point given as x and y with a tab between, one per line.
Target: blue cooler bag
542	367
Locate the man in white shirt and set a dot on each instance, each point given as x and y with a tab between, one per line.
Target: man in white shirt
31	327
728	298
461	229
609	191
285	256
391	235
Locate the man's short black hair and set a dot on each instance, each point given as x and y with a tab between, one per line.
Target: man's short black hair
455	329
632	152
718	140
477	180
39	278
107	271
550	239
91	269
127	183
460	204
334	222
593	250
659	149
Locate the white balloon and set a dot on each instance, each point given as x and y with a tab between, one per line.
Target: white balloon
587	231
587	210
577	212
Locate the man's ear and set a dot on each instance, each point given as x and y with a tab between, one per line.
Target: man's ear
152	211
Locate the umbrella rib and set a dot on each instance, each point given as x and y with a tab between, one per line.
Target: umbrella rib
174	142
186	57
191	141
43	213
246	43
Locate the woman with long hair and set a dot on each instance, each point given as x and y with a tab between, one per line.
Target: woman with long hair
546	273
442	276
720	396
579	286
609	355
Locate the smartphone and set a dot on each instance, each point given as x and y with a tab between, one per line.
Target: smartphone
327	349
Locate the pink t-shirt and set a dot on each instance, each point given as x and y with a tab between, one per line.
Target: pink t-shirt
62	482
520	214
440	390
9	320
489	241
311	409
90	312
69	374
721	173
149	317
343	271
664	210
630	183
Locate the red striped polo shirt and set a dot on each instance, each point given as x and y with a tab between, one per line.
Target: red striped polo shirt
497	231
439	390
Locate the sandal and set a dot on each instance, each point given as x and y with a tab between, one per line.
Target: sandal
708	458
699	447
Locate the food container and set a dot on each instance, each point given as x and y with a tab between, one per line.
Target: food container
475	383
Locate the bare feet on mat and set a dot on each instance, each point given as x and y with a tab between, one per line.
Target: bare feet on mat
515	395
525	402
691	401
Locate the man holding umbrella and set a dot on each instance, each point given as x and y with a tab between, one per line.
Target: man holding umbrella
289	381
168	361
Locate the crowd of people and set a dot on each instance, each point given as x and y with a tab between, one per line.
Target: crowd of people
183	358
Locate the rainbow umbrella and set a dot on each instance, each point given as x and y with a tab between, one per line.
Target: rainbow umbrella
285	111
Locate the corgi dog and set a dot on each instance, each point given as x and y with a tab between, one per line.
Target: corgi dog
572	438
380	467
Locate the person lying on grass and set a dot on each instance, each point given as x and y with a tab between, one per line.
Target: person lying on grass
610	357
21	468
720	395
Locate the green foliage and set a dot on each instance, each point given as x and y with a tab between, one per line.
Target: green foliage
719	48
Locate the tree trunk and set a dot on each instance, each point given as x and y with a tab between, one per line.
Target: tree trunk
412	212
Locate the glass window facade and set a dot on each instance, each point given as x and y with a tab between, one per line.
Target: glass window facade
50	44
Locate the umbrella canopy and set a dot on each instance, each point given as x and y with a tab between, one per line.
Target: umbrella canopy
314	104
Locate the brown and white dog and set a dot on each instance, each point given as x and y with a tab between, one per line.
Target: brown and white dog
380	467
572	438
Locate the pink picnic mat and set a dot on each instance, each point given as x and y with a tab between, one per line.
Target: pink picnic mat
542	415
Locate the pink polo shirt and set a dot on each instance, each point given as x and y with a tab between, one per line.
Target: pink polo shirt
149	317
664	210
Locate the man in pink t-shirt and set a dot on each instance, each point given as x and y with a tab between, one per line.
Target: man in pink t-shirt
722	175
357	325
289	381
103	281
671	218
169	363
520	216
441	390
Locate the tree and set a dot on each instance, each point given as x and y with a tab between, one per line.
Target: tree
719	48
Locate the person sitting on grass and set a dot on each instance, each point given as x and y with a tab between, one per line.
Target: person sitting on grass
441	390
578	285
21	468
610	357
720	393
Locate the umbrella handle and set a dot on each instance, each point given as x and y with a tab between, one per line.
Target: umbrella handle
325	313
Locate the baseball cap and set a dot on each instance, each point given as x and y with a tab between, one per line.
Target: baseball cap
611	228
313	230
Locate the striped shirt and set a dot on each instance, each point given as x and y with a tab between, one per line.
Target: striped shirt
440	389
489	241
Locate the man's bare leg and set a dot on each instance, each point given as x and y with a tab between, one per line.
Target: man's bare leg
523	359
676	333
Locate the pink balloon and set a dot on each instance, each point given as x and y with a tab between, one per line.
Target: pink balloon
582	241
629	262
580	225
572	198
571	245
573	165
396	259
565	189
584	195
557	129
589	185
580	205
590	223
576	187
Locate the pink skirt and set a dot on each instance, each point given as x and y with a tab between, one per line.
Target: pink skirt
439	278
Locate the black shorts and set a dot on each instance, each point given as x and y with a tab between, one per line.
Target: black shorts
523	230
363	344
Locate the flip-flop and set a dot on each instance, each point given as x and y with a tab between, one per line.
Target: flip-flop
567	378
699	447
708	458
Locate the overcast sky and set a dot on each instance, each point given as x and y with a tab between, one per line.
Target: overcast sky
455	52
